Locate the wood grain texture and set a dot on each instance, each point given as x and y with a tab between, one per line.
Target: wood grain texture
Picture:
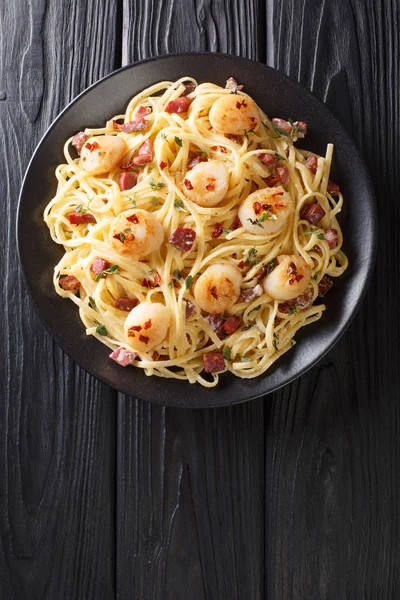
190	508
57	424
332	451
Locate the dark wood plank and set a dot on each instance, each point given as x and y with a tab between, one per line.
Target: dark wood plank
57	433
190	483
332	452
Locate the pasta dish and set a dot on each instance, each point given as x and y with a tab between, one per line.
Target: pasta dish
198	238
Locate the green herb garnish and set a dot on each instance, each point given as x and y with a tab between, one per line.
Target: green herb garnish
101	330
92	303
227	353
188	281
178	204
177	274
112	270
156	186
154	201
178	141
275	342
251	257
82	209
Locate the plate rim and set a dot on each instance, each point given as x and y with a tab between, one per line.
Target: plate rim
370	262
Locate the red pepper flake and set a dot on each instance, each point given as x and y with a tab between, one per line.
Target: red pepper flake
292	269
147	325
92	146
144	339
157	278
210	185
240	104
133	330
241	264
217	231
187	184
133	219
162	165
257	208
213	292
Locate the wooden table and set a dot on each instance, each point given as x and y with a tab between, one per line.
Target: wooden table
292	496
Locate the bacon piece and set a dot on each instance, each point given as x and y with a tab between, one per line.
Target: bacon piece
182	238
139	123
251	294
69	283
283	174
268	159
324	286
301	129
150	285
122	356
127	165
283	126
217	231
142	111
231	324
331	236
78	141
180	105
193	160
190	308
76	218
189	88
213	362
144	153
232	85
216	322
234	138
127	181
302	301
332	188
312	213
99	265
312	163
236	224
127	304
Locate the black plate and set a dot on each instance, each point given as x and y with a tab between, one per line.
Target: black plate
278	96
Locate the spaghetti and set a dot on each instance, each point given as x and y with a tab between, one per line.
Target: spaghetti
197	237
